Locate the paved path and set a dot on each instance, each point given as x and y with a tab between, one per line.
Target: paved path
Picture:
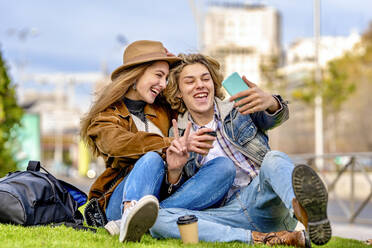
352	231
346	230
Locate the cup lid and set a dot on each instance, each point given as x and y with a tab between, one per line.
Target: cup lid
187	219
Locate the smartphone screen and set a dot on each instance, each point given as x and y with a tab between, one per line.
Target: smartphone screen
234	84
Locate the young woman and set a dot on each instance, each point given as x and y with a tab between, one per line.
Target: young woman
127	121
128	126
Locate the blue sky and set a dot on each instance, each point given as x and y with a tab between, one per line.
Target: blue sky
80	35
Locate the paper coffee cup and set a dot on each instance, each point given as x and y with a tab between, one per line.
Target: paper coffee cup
212	133
188	227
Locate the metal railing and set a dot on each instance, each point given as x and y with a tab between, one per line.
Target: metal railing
344	164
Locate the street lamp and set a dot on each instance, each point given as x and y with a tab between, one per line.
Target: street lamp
319	144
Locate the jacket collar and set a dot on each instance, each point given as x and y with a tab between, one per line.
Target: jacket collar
223	106
121	108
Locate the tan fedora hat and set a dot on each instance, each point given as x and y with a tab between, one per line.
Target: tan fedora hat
142	51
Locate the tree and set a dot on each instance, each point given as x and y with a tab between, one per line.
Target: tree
10	116
343	88
334	88
359	128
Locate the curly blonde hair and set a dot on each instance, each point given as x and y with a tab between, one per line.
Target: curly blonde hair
172	88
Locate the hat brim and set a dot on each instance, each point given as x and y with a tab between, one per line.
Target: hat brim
117	71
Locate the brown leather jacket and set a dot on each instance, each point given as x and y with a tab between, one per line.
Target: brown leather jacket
121	144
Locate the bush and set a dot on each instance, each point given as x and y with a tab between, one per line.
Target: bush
10	116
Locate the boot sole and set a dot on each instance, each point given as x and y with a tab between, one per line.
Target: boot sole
307	239
140	220
312	194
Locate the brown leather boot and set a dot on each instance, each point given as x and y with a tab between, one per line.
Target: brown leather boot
297	239
300	212
310	204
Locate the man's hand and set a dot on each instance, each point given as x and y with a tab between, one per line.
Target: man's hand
177	153
254	100
199	141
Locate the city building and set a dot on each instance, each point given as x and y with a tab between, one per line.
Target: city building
59	126
242	37
299	57
60	112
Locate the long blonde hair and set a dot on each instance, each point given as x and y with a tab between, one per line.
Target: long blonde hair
112	93
172	89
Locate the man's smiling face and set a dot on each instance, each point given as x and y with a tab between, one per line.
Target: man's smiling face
197	89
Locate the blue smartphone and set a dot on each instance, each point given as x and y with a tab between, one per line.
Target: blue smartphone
234	84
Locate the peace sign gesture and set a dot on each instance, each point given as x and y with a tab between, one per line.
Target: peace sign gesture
177	153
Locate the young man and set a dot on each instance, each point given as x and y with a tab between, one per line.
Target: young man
269	194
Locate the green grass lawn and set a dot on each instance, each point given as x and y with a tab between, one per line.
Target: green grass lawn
12	236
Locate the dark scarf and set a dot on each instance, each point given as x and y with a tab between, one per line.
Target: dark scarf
136	107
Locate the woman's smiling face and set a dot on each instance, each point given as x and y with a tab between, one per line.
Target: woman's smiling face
151	83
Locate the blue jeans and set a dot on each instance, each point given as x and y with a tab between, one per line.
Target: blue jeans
197	193
264	205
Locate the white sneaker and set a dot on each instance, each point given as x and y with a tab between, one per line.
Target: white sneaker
138	218
113	227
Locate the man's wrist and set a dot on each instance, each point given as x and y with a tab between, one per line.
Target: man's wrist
173	176
274	106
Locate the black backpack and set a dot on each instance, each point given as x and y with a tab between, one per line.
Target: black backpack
35	198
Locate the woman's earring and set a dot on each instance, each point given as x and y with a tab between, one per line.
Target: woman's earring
134	86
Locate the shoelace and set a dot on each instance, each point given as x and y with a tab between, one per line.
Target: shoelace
273	239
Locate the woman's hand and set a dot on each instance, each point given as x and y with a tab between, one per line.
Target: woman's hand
254	100
177	153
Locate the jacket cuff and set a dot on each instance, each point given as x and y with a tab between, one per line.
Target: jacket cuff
279	99
168	188
167	141
173	186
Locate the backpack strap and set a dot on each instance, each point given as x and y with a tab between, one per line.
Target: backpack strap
33	165
75	226
80	227
36	166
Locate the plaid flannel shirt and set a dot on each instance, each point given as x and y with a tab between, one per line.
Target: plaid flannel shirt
246	169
